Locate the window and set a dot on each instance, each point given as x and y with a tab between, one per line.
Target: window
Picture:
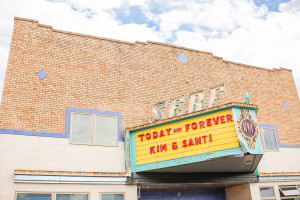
111	196
29	196
72	197
94	129
269	139
267	193
51	196
289	192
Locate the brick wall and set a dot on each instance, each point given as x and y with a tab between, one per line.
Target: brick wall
104	74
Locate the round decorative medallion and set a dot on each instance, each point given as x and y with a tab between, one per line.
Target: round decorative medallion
248	127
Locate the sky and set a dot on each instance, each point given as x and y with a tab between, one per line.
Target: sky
264	33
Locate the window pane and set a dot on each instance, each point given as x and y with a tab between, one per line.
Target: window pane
296	198
266	192
72	197
269	138
290	191
81	128
106	130
26	196
112	196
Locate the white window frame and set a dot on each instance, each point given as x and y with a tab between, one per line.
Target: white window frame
93	128
20	192
124	197
267	198
263	139
288	186
53	194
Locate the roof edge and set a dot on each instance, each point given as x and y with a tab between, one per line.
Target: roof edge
179	47
152	42
25	19
256	67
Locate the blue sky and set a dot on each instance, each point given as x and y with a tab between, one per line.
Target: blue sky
265	33
272	5
135	14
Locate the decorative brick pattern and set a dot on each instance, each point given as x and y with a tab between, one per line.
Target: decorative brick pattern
103	74
42	74
182	58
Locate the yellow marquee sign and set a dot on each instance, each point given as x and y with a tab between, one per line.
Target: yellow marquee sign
199	135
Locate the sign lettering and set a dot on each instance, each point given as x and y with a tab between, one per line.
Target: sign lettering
197	135
169	109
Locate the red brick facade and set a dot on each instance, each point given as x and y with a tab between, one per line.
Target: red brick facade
103	74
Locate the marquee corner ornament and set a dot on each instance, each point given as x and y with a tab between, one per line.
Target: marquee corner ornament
248	128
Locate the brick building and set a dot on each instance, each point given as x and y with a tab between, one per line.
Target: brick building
73	104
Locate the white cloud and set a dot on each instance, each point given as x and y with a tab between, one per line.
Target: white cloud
137	2
95	4
292	6
3	59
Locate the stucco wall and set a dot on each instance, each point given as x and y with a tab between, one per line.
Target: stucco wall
56	154
241	192
284	160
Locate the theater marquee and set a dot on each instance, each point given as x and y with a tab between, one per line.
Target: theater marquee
193	139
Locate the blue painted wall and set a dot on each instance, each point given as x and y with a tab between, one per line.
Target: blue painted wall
276	132
208	194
